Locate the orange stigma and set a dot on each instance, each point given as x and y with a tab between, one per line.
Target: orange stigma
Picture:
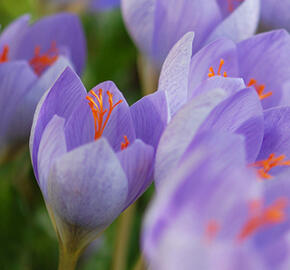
125	144
274	214
4	54
259	89
41	61
212	230
231	5
99	113
266	165
212	73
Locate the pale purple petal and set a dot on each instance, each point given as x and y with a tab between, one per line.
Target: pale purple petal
137	161
150	116
174	74
87	187
266	58
104	4
240	24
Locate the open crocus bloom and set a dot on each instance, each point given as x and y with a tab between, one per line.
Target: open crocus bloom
212	213
263	62
31	59
92	154
274	15
156	25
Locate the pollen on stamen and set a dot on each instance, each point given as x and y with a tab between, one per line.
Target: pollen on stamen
264	166
125	144
271	215
231	5
259	89
212	73
41	61
100	114
4	54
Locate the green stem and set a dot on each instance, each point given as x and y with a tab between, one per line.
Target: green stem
140	264
67	259
123	235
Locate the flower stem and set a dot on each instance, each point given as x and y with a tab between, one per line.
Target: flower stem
140	264
67	260
123	235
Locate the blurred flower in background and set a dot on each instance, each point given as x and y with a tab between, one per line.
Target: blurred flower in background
31	58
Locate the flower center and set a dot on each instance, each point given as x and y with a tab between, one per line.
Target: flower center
212	73
259	89
41	61
231	4
101	115
125	144
4	54
260	217
266	165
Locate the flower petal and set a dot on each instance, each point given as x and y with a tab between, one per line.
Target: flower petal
240	24
266	58
174	74
181	130
150	116
61	99
87	187
64	29
137	161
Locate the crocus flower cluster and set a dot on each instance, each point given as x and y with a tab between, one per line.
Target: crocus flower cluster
92	154
31	59
156	25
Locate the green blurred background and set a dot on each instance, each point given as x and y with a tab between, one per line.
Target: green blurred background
27	239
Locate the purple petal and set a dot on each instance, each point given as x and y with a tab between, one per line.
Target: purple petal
12	34
173	20
104	4
15	79
137	161
64	29
210	56
61	99
150	116
182	128
87	187
239	25
139	19
174	74
52	146
241	113
266	58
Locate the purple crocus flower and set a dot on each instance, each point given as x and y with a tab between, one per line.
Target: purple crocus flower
212	213
156	25
275	15
92	154
31	59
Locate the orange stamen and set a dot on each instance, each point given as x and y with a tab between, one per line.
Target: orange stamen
231	6
100	121
212	230
259	89
41	61
4	54
125	144
266	165
212	73
274	214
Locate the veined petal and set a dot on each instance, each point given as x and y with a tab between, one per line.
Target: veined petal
181	130
87	187
174	74
150	116
137	161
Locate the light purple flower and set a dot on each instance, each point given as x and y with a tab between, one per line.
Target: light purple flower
156	25
275	14
31	59
92	154
212	213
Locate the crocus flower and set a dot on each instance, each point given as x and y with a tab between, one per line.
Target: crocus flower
156	25
31	58
92	154
275	15
214	214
